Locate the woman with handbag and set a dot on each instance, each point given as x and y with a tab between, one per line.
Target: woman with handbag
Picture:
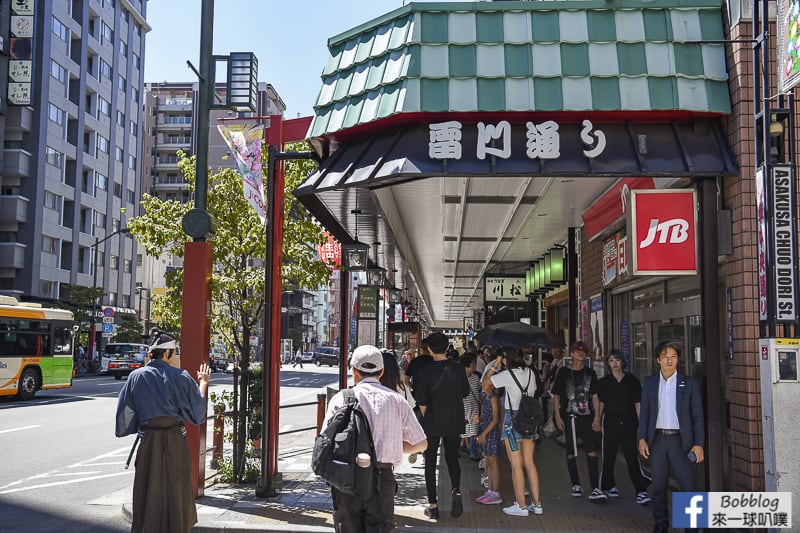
519	448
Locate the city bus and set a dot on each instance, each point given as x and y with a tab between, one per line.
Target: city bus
36	347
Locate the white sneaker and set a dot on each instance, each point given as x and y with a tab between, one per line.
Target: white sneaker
482	464
516	510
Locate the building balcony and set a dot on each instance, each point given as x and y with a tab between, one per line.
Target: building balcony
175	105
19	119
13	209
170	127
16	162
12	255
174	146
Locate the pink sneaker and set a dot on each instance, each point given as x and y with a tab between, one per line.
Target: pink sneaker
490	498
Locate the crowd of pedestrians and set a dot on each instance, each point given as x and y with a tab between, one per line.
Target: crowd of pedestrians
601	416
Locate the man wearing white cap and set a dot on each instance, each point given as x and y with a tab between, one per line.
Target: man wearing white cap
154	402
395	431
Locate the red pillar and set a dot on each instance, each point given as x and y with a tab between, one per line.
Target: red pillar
275	138
195	340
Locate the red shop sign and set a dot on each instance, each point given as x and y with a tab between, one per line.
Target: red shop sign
663	232
330	251
610	208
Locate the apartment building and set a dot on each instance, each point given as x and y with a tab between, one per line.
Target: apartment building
171	112
71	152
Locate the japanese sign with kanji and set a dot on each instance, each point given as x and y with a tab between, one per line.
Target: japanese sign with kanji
504	289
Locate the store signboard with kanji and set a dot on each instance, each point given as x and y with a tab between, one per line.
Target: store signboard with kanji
504	289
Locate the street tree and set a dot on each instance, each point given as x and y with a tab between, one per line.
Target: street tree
239	244
81	301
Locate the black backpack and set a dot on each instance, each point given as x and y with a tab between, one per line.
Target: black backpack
335	449
528	416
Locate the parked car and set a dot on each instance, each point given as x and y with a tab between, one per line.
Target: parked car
308	357
326	355
121	358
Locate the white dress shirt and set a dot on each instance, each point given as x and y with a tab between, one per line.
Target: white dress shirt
667	406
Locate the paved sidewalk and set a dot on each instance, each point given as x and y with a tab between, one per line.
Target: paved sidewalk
304	502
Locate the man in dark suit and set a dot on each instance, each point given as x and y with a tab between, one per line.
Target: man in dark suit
671	429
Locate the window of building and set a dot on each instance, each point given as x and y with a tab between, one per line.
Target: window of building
126	300
105	70
118	154
60	30
54	157
137	29
131	197
46	288
112	297
138	259
135	95
50	200
123	49
120	119
49	244
107	34
136	60
86	182
131	162
56	114
126	266
122	83
114	264
102	144
101	182
99	219
114	224
117	189
103	107
57	71
134	128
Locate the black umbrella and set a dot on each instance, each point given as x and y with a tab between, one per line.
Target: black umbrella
518	335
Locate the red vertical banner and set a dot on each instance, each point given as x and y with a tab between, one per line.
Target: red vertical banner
330	251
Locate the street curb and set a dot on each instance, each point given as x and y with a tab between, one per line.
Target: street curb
127	512
246	528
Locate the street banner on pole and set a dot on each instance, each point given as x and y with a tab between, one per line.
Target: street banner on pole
244	141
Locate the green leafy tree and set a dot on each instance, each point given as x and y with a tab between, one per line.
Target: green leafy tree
81	301
237	283
128	328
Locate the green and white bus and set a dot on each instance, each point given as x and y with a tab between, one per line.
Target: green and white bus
36	347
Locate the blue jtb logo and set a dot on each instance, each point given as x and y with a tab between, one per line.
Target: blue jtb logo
689	509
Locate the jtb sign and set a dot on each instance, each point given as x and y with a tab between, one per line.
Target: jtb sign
663	232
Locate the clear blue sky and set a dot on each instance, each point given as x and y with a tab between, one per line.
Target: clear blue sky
289	39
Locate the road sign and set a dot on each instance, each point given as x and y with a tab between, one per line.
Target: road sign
108	328
107	335
108	311
108	320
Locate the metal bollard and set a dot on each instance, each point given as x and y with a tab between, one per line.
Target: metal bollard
219	434
321	399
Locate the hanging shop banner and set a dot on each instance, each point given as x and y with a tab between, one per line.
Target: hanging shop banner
761	222
598	333
784	255
610	209
367	301
504	289
21	51
615	260
330	251
663	232
788	23
244	142
610	262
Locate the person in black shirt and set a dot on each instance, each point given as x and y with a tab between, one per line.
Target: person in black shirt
439	388
576	409
620	394
418	362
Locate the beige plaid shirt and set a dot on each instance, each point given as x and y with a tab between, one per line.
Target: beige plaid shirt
390	417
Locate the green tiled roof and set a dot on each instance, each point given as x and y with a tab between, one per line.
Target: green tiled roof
595	55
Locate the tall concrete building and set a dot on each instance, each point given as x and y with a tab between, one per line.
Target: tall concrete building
72	150
171	115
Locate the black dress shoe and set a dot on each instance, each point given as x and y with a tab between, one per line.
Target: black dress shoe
432	513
